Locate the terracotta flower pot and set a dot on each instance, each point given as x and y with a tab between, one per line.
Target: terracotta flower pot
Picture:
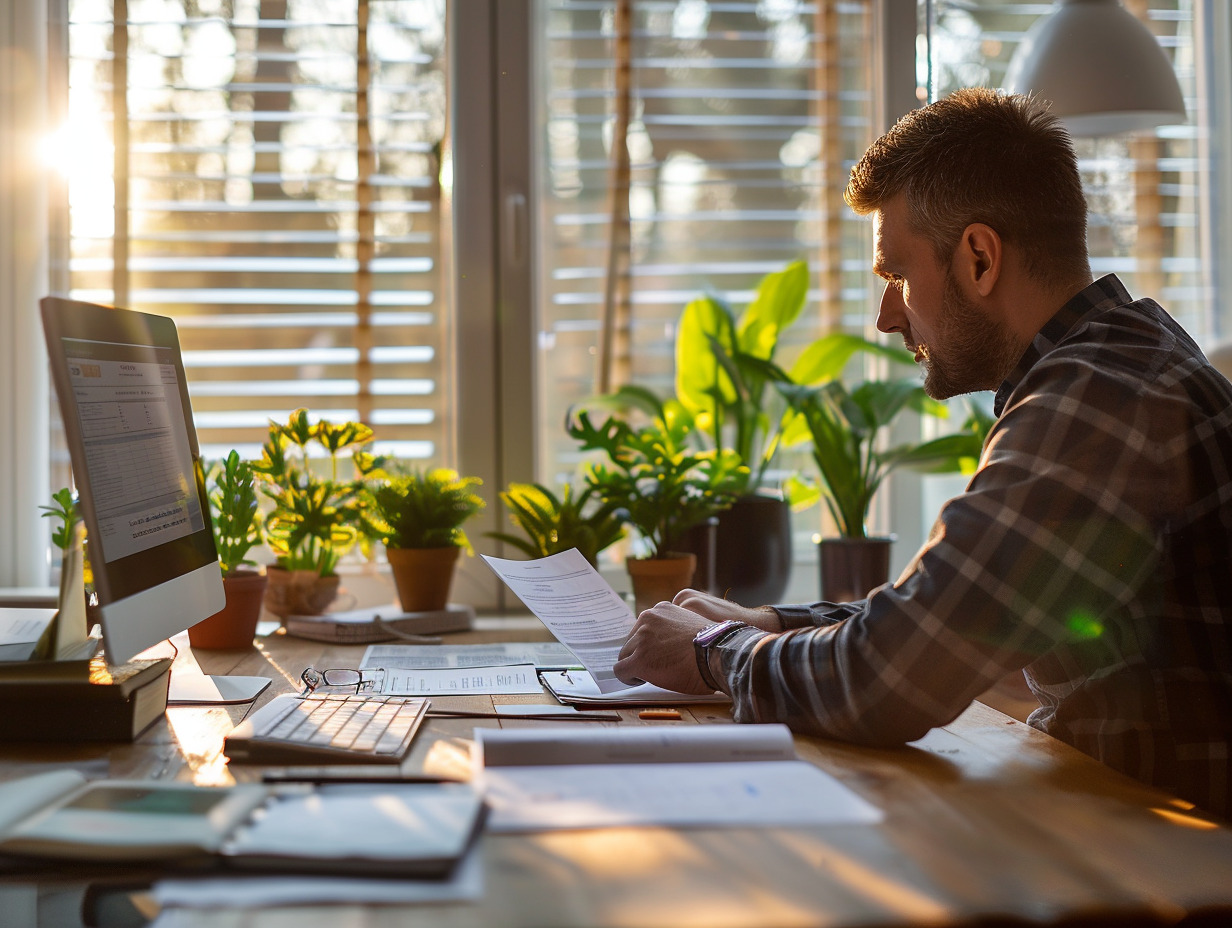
299	592
423	576
233	626
658	579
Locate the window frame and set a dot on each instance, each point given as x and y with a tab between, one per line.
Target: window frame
26	194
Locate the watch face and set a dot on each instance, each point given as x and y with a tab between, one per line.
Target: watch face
707	636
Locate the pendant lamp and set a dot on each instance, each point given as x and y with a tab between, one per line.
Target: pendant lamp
1100	67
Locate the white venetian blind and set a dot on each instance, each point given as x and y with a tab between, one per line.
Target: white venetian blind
273	188
744	121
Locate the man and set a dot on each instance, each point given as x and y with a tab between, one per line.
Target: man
1092	548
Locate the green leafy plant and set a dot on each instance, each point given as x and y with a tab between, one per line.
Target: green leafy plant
552	524
64	508
725	368
846	424
321	508
661	485
235	511
426	509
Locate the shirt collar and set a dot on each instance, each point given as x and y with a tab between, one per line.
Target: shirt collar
1103	294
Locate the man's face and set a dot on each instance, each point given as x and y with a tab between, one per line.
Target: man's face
960	346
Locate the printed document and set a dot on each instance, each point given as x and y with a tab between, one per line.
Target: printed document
20	630
508	680
577	604
704	775
545	655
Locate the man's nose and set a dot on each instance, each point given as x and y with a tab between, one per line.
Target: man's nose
891	317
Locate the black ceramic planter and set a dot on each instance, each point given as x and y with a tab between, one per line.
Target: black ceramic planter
852	567
753	551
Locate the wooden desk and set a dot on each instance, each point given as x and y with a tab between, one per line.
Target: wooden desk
986	820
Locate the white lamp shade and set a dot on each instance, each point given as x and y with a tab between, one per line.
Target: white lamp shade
1101	69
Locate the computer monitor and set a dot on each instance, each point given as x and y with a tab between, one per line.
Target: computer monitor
123	396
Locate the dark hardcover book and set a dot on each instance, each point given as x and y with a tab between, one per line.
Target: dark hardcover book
89	702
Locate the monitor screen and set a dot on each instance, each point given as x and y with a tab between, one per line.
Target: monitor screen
123	397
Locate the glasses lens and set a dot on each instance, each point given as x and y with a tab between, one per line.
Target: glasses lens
341	677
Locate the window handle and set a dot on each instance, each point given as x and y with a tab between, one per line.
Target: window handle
515	228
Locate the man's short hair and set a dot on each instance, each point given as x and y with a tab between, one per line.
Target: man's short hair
983	156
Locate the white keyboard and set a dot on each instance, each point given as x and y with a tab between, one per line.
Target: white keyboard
346	729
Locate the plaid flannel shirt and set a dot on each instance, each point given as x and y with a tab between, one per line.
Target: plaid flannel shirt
1092	548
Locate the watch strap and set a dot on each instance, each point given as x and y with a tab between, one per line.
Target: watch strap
707	638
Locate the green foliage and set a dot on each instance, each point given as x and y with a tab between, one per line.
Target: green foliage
317	517
651	475
845	424
236	515
64	508
427	509
725	365
553	524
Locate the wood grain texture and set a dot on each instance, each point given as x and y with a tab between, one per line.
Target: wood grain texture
986	821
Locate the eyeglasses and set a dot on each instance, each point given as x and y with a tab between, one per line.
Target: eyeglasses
313	678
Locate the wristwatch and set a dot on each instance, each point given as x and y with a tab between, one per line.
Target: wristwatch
704	640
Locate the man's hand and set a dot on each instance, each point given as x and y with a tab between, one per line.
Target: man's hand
660	649
720	610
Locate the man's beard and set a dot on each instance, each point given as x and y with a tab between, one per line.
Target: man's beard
978	354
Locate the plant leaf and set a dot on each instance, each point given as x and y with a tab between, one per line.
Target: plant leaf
779	300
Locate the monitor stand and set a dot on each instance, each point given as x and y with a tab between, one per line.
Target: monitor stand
203	689
190	686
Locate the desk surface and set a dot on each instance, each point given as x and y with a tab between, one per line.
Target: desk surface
985	819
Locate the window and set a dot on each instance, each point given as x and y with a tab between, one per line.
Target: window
327	207
744	121
274	187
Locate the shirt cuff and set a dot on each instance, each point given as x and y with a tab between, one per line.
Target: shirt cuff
726	655
811	616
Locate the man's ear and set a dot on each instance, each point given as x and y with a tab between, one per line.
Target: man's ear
979	257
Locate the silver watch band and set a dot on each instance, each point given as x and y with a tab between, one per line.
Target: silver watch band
708	639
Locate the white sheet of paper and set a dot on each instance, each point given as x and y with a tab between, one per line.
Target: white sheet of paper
423	656
577	604
508	680
640	744
694	775
760	793
23	626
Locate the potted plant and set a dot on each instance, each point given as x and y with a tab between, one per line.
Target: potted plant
551	524
421	515
320	509
660	484
846	424
726	365
236	519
